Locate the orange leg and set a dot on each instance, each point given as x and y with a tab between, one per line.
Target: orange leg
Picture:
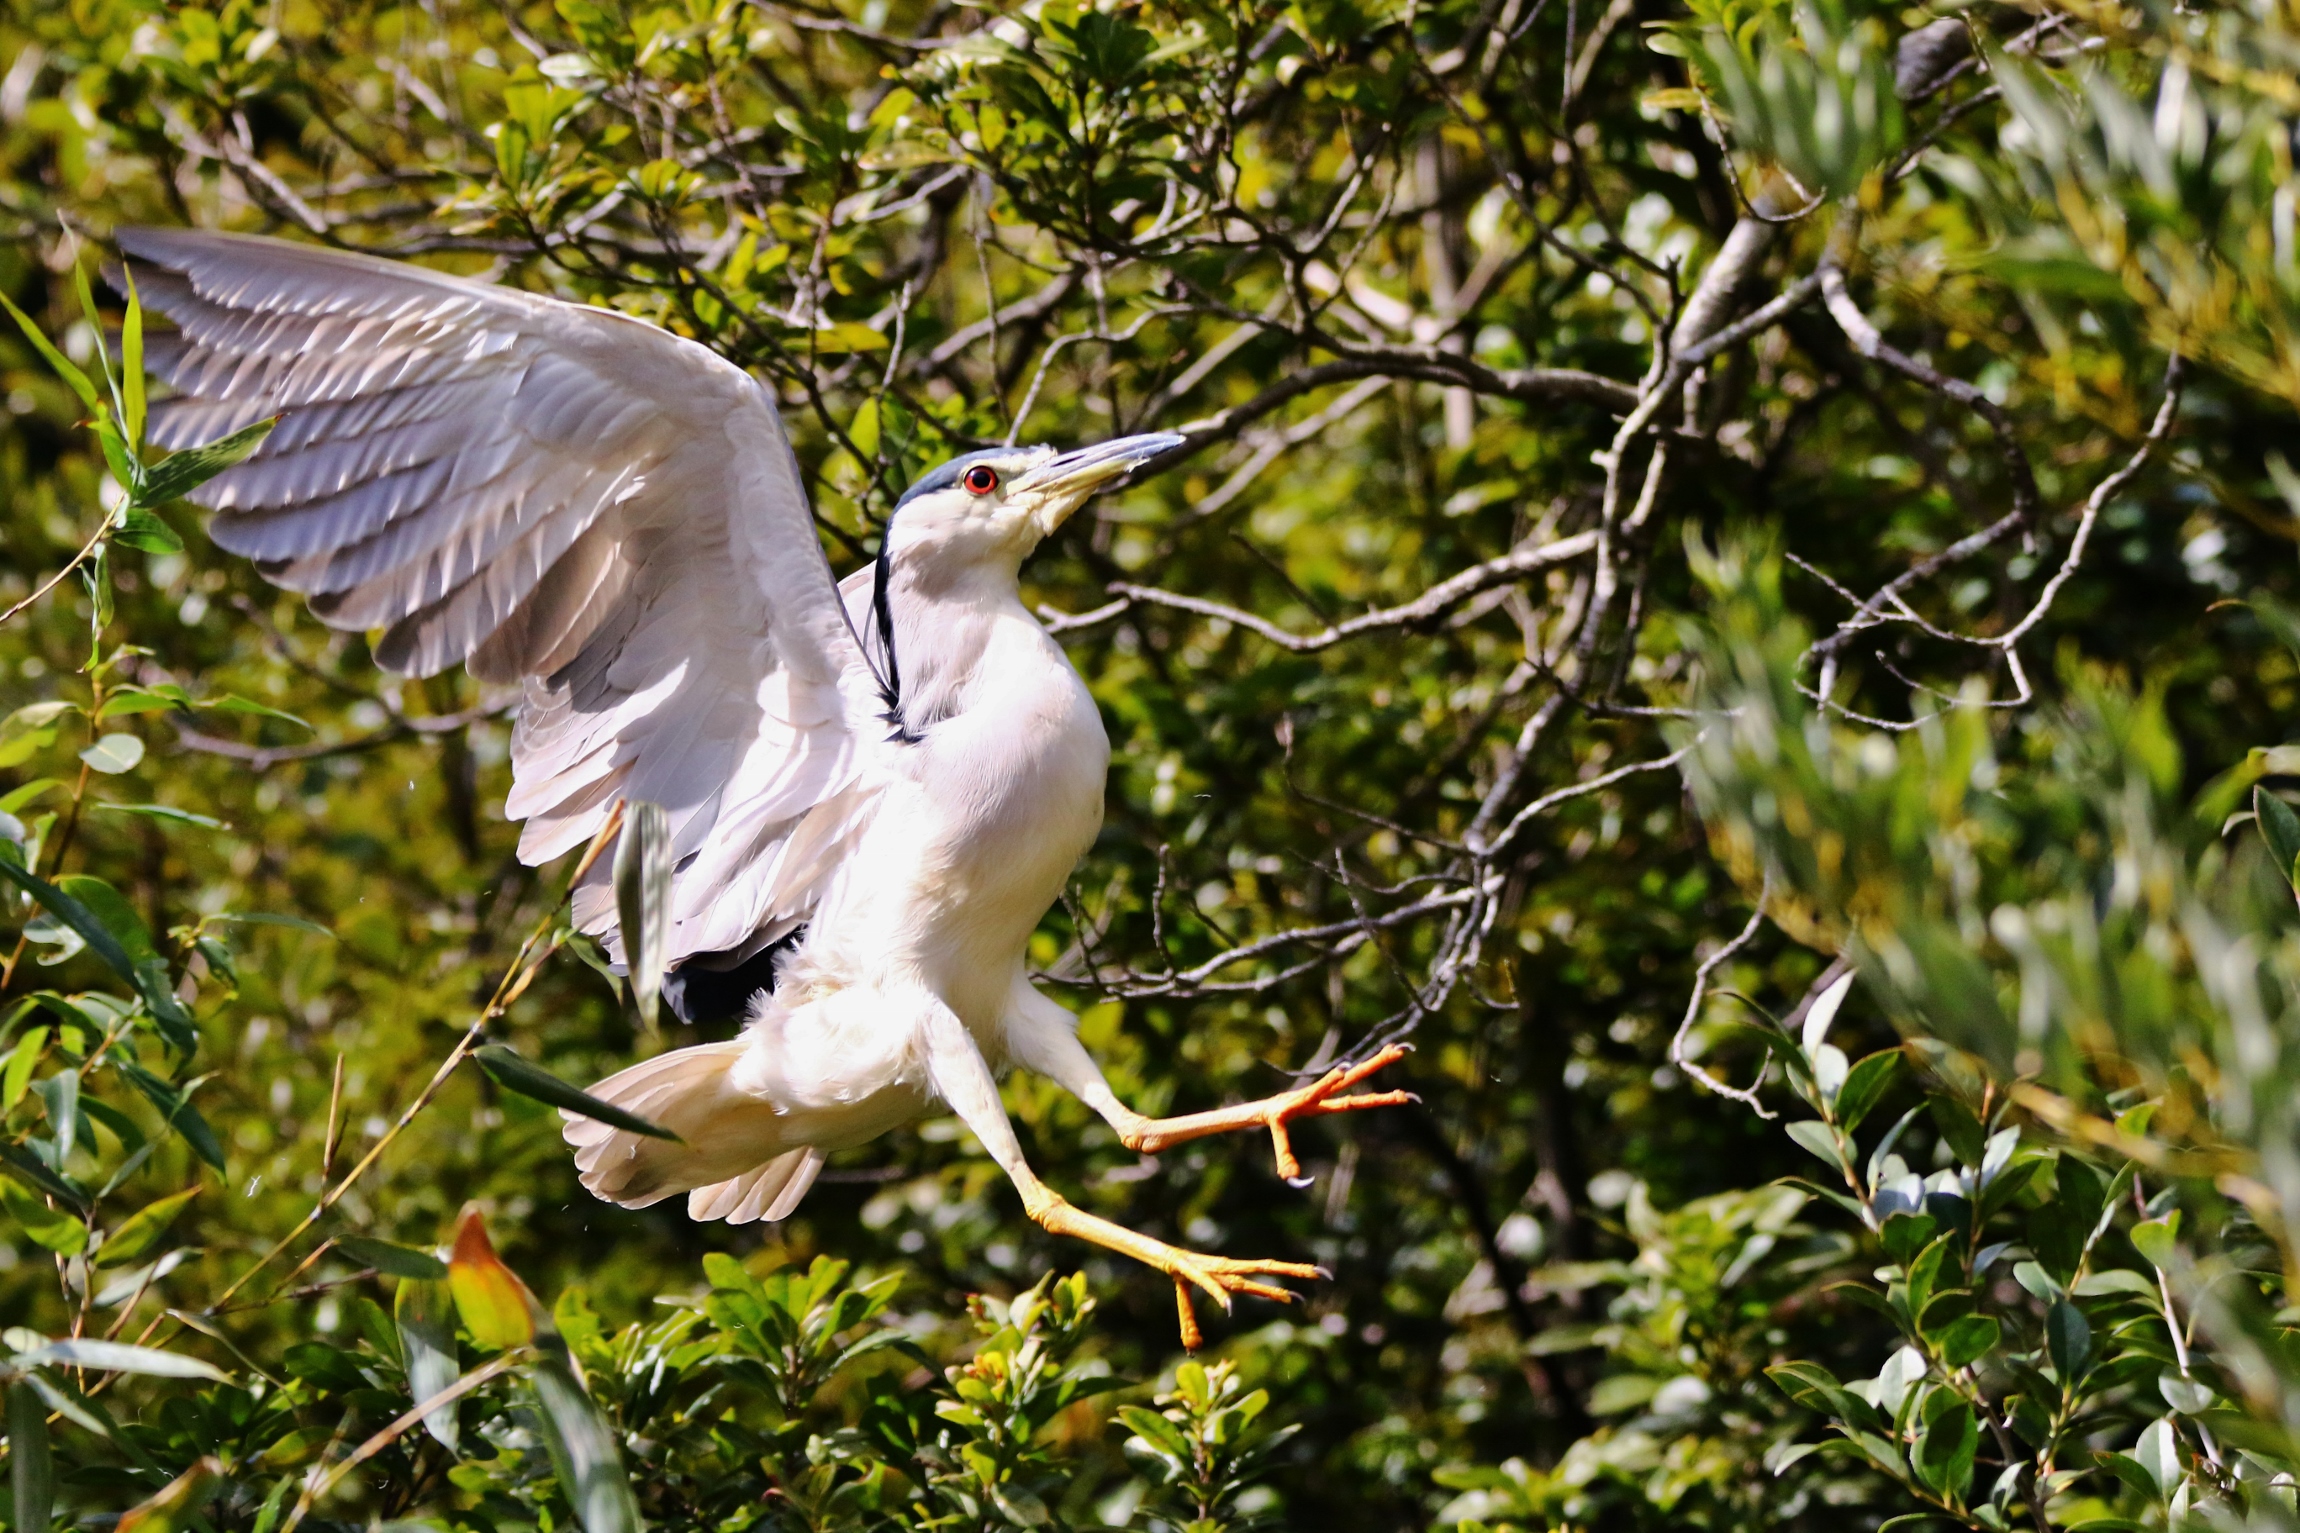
1316	1100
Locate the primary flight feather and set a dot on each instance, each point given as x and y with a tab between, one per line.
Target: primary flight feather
874	790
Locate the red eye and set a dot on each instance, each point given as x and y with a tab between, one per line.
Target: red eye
981	480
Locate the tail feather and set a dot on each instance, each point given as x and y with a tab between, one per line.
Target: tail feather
728	1138
769	1192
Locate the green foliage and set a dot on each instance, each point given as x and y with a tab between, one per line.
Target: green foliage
1473	548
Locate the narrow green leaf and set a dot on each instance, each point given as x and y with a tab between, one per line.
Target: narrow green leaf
393	1260
17	1075
265	918
57	360
139	529
55	1229
231	704
128	700
643	902
183	472
424	1311
513	1073
132	410
142	1230
75	915
169	813
31	1460
21	1164
176	1110
583	1450
120	1357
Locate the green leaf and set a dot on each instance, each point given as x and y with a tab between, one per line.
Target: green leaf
77	916
513	1073
1945	1450
2158	1240
583	1450
109	906
167	812
142	1230
393	1260
1967	1341
1967	1139
2280	828
132	404
643	902
2187	1396
16	798
1906	1234
231	704
24	1167
1817	1137
31	1460
176	1110
142	700
114	754
1157	1432
17	1074
424	1312
31	729
181	473
139	529
62	364
1864	1085
2068	1341
264	918
120	1357
56	1229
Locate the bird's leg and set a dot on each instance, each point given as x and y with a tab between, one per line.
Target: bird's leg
1043	1038
963	1081
1275	1113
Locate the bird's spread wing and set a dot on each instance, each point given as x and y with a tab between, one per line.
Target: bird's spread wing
550	493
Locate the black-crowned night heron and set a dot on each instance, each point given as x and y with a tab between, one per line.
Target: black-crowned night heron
882	785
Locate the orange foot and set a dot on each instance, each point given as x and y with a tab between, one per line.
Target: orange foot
1219	1276
1316	1100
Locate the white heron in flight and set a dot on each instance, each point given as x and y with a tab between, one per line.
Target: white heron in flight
901	769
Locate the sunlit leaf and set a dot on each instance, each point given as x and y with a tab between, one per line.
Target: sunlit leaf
114	754
496	1307
183	472
141	1230
57	1229
119	1357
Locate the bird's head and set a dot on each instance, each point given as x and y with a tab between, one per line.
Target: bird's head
1003	500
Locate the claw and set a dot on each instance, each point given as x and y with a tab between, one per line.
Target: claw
1317	1100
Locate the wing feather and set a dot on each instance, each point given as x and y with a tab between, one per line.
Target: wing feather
552	494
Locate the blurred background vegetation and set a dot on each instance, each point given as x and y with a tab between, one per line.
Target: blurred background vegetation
1730	545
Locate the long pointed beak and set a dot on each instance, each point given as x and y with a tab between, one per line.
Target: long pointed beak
1065	481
